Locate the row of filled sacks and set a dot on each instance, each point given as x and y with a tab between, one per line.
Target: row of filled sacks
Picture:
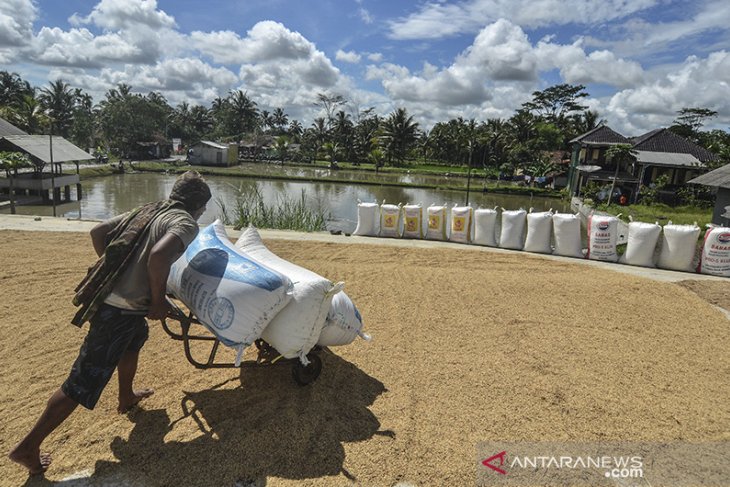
244	292
672	248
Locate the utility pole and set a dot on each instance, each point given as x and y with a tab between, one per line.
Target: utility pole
53	177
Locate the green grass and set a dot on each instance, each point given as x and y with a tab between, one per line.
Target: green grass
287	214
681	215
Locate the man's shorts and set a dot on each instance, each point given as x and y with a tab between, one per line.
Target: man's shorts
112	332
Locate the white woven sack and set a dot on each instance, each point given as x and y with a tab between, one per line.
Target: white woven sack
715	257
343	323
641	245
413	221
367	215
234	295
539	228
296	328
602	236
512	235
461	224
678	246
390	216
485	223
566	228
436	222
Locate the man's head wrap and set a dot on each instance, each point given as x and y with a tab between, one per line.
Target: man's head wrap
191	190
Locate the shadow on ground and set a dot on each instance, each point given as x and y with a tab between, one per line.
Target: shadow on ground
266	426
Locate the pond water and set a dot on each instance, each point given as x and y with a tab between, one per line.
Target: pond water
108	196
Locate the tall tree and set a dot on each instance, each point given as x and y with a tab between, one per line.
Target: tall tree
400	131
556	102
280	120
58	100
329	104
244	113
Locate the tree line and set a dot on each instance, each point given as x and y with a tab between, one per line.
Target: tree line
528	140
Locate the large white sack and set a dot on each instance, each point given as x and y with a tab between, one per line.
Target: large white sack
715	257
413	221
234	295
602	237
641	245
539	228
295	329
485	224
512	235
390	216
679	243
566	228
461	224
367	215
343	323
436	222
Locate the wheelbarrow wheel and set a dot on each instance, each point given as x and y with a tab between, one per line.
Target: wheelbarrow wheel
305	375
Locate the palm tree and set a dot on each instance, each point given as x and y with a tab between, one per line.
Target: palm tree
29	114
267	121
295	129
400	132
321	134
244	111
280	119
58	100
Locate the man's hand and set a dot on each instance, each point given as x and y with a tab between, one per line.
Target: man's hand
158	310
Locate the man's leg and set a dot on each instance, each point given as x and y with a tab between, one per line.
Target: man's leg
27	452
127	368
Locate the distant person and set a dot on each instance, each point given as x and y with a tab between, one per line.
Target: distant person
127	283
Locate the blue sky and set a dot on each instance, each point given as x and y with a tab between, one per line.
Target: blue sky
641	60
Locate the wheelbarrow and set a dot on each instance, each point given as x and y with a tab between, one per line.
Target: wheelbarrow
267	356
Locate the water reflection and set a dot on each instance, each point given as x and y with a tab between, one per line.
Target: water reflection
111	195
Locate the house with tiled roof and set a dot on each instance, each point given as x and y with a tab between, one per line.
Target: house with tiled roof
658	152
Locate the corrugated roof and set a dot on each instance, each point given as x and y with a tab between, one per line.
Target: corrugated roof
39	146
603	134
213	144
7	128
664	140
719	178
667	159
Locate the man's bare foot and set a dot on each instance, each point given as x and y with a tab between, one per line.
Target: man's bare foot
127	404
35	461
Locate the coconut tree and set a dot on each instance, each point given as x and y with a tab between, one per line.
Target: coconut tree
320	134
400	131
295	129
244	113
280	120
59	100
11	162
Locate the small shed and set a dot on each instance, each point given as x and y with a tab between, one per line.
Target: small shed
720	179
206	153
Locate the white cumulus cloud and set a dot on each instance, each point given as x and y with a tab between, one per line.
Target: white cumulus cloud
347	56
120	14
16	22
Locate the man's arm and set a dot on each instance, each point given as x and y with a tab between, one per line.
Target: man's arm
161	258
99	234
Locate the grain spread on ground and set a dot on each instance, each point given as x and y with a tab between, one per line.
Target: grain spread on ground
468	346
